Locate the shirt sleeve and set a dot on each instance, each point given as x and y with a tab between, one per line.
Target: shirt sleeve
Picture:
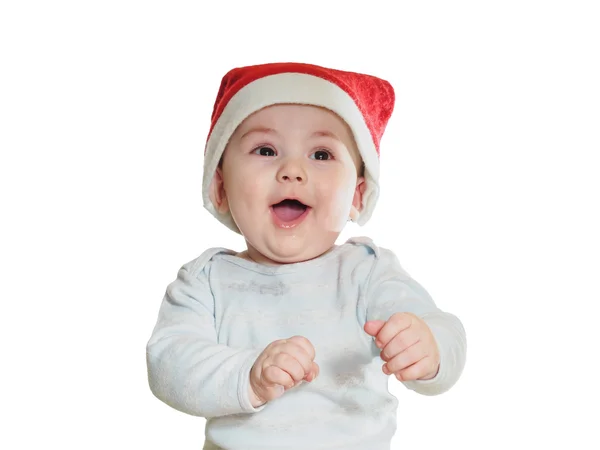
187	369
391	290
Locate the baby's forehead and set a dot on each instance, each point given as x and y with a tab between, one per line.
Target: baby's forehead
314	120
295	110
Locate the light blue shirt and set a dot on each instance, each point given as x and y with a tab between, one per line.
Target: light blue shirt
222	311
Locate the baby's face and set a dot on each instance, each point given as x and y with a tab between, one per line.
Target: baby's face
289	178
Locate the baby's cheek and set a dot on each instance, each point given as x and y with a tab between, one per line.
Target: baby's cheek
248	193
337	202
243	199
251	187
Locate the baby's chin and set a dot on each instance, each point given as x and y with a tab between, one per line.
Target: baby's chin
290	252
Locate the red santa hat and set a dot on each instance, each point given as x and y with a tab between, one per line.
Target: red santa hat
363	101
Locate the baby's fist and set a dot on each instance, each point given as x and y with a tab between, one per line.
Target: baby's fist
282	365
407	346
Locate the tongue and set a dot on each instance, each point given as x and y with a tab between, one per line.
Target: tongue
288	211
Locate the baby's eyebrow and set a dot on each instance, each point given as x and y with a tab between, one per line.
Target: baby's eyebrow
266	130
258	130
326	133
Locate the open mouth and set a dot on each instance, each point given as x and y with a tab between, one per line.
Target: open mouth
289	210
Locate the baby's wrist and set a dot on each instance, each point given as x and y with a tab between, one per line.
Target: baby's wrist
255	400
431	375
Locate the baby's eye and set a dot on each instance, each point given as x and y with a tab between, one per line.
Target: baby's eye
264	151
322	155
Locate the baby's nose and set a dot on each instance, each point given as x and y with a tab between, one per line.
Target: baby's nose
292	171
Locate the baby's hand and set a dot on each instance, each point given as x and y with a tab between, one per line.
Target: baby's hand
282	365
408	346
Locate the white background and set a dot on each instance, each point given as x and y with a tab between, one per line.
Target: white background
489	197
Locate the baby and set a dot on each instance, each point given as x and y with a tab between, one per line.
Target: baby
289	344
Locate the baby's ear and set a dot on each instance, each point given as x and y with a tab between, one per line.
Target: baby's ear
357	206
217	193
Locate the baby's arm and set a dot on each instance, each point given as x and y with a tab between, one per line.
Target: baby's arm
391	290
187	368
